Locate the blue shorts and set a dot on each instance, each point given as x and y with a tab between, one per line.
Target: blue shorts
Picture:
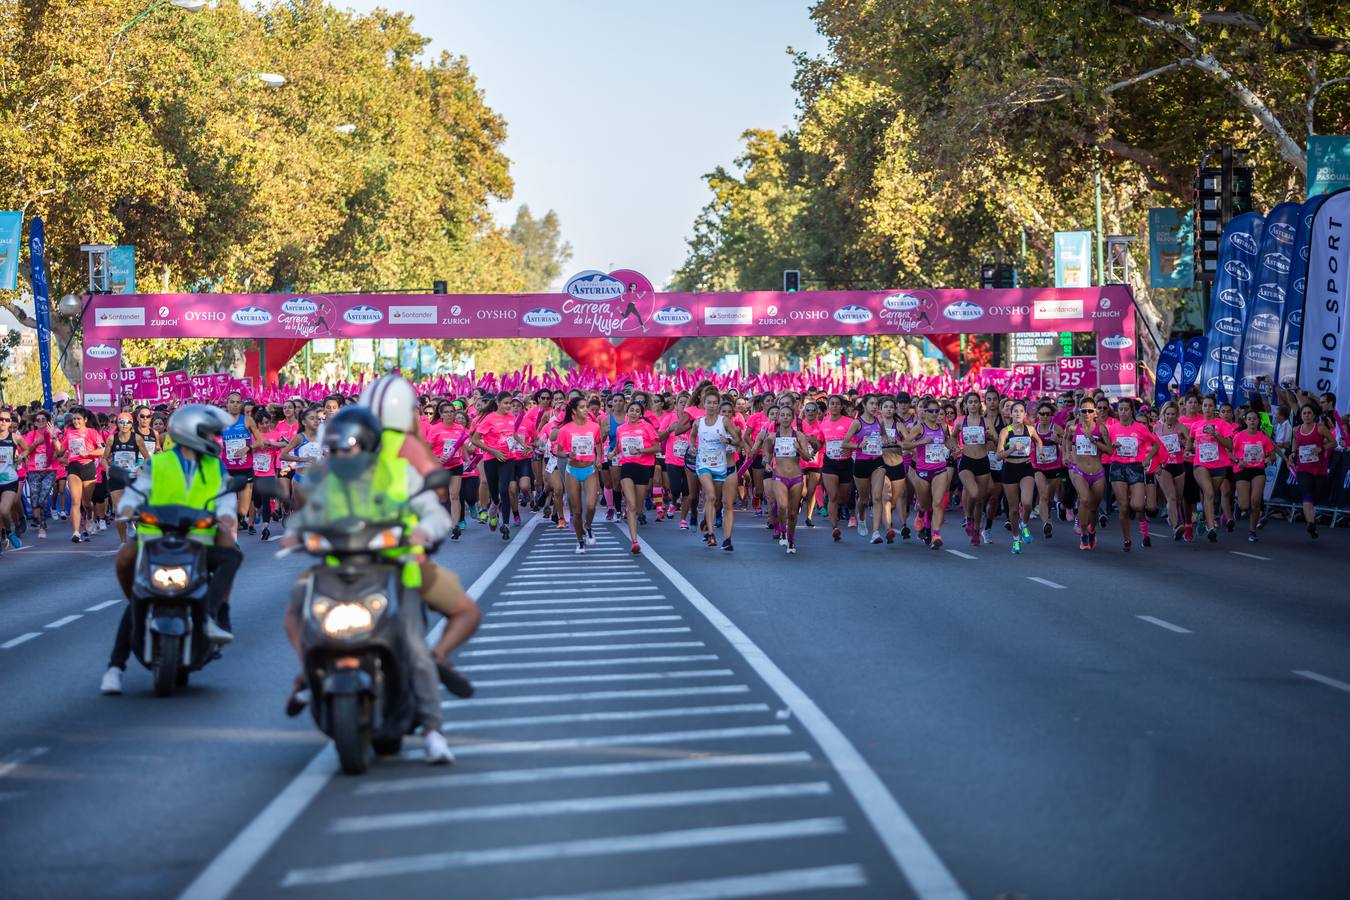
581	474
716	475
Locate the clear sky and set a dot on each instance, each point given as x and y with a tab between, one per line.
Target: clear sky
615	109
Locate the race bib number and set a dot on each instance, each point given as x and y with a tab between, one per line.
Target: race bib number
1308	453
934	453
632	445
236	449
784	446
76	446
712	458
1252	453
447	450
1048	454
1172	442
514	444
310	452
1020	446
6	457
124	459
834	449
973	435
262	464
1207	453
680	447
1083	445
39	460
551	465
583	445
1129	447
995	464
872	445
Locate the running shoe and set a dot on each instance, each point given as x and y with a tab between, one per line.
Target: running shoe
1312	530
1083	542
709	539
1128	544
581	548
42	533
810	522
455	533
515	519
609	515
103	526
1101	520
836	534
1061	512
506	532
986	537
14	541
726	545
74	538
590	538
1251	537
1016	546
1178	532
862	526
492	522
1214	535
1188	532
1144	535
876	537
1229	524
852	521
1026	534
266	533
926	535
783	541
1092	539
84	535
635	548
974	535
684	524
642	518
1048	530
890	535
937	542
905	533
1007	525
792	548
483	517
252	529
660	514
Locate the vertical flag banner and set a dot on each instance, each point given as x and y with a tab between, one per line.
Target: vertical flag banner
122	270
101	382
42	309
1234	282
1171	241
1073	259
1291	333
1260	350
1328	164
11	241
1192	359
1169	371
1323	364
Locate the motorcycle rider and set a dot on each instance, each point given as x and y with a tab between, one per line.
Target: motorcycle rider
189	474
353	448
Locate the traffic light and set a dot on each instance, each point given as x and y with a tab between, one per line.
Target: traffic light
1223	190
792	281
998	276
440	287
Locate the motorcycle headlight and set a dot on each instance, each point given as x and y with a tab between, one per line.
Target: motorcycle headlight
317	543
387	539
169	578
344	620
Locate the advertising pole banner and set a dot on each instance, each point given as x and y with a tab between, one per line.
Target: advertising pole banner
1239	250
1322	361
1073	259
1328	163
42	309
1169	371
1291	328
1171	240
122	270
1260	349
1192	360
11	240
101	375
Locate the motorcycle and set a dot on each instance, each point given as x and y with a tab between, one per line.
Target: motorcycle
168	598
356	659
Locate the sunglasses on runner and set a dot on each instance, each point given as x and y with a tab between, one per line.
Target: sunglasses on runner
119	421
931	411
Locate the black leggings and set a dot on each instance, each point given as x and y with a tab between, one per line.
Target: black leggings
500	476
679	483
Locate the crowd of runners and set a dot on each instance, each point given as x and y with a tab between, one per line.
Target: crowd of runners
891	466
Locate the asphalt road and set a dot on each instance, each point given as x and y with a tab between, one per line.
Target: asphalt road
870	721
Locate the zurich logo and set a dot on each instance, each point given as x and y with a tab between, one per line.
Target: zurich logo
1244	241
1271	294
252	316
901	302
592	285
1260	353
1229	326
542	318
1225	380
1276	262
673	315
456	310
299	306
854	315
1283	232
963	311
1224	356
1268	322
100	351
770	310
362	315
1238	270
1232	297
1116	342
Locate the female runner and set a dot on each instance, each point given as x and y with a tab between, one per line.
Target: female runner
41	454
1132	449
304	449
676	448
932	448
974	430
1017	446
447	436
1048	464
492	434
638	444
124	451
266	483
813	462
787	446
838	467
12	449
1171	476
1307	459
1252	452
80	448
864	437
1210	444
893	432
238	440
717	436
580	441
1084	443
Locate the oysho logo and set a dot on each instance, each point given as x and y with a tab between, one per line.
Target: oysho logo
1224	356
543	317
1271	294
901	302
363	315
963	311
121	317
413	315
857	315
1116	342
592	285
1244	241
1260	353
672	315
1276	262
1229	326
1238	270
1283	232
205	315
100	351
299	306
251	316
1232	297
807	314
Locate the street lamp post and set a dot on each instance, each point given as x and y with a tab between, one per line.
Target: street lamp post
185	5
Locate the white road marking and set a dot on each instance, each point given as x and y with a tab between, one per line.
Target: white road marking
573	635
762	884
569	612
925	871
613	676
19	758
21	639
572	590
587	648
1047	582
959	553
1161	623
572	578
644	597
554	567
563	623
591	550
626	715
768	832
232	865
622	740
577	806
104	605
549	774
596	696
588	663
64	620
1323	679
1250	555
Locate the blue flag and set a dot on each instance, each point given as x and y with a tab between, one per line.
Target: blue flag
1169	367
1193	357
42	309
1291	335
1234	282
1260	351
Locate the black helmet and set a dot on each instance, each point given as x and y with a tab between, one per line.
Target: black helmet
351	438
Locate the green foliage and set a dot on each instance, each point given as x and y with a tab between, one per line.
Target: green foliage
542	250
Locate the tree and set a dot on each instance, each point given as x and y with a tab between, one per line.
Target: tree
542	250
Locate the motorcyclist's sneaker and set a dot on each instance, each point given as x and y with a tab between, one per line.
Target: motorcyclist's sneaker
217	635
438	751
112	681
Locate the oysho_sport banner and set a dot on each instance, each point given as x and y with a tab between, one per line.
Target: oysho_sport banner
1192	361
1234	282
1169	368
1259	353
1291	330
1323	361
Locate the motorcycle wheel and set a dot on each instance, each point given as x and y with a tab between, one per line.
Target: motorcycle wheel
183	675
388	746
351	741
168	657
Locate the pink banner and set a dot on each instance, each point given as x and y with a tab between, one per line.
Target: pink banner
101	371
140	383
1077	373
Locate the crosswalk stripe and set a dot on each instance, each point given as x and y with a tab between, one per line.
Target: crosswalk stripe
589	663
578	600
569	612
595	696
611	676
573	635
624	715
572	590
761	884
563	623
622	740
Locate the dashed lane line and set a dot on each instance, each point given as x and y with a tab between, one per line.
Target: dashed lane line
21	639
1163	623
1249	555
64	620
1323	679
959	553
104	605
1047	582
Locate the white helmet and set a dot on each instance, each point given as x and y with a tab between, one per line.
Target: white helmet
393	401
197	426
